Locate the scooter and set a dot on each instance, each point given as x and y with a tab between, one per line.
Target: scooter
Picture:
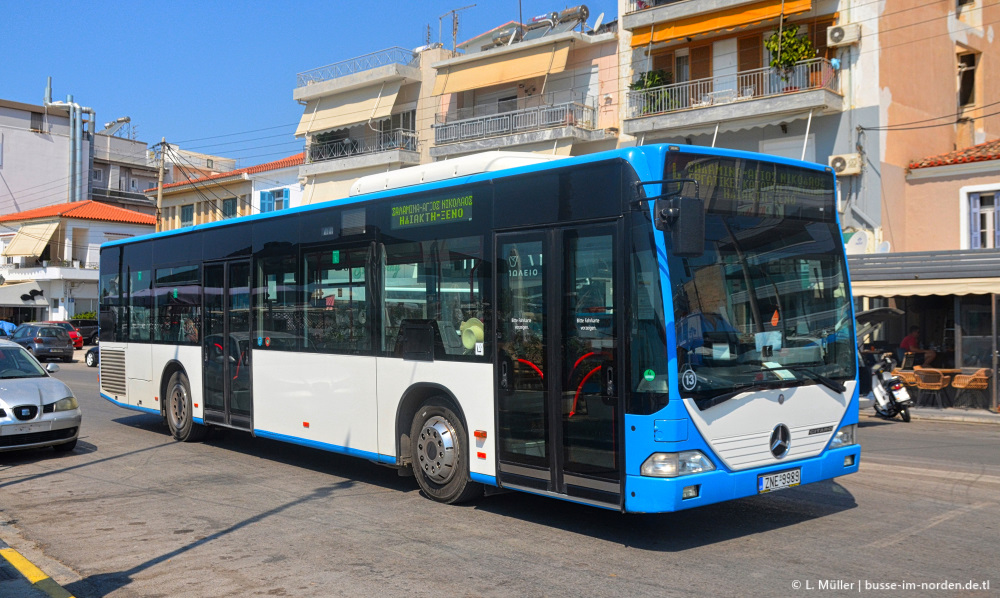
891	396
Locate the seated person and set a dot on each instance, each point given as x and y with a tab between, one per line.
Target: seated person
911	344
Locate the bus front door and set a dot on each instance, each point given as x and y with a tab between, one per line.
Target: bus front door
226	344
559	409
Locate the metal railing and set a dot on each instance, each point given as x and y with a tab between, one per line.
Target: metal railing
100	193
497	121
367	62
636	5
372	144
816	73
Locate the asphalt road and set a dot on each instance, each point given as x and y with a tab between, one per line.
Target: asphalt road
131	513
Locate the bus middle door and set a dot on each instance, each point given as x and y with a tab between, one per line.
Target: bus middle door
226	345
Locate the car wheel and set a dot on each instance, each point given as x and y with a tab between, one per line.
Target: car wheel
65	447
180	418
91	360
440	452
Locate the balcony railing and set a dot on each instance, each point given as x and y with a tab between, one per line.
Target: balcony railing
816	73
356	65
505	118
110	194
403	139
635	5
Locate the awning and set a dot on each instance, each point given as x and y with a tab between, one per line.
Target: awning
11	295
504	67
923	288
730	18
31	239
352	107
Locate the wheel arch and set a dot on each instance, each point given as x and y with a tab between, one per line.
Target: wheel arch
169	369
406	410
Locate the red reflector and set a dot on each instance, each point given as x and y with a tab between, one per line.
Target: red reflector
897	386
305	424
481	455
196	405
156	398
480	434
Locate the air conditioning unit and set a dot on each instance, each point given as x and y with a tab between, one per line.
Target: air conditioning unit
846	164
843	35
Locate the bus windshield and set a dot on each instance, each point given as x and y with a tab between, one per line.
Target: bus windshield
766	305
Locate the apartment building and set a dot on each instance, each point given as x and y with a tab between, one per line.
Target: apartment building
239	192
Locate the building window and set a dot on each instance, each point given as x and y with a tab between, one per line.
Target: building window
98	175
275	199
209	163
37	121
187	215
229	208
983	221
967	79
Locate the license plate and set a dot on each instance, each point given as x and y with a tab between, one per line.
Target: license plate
10	430
777	481
902	396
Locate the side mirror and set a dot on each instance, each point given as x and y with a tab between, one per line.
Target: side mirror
684	217
51	368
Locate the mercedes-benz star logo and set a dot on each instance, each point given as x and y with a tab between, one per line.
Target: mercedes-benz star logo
781	438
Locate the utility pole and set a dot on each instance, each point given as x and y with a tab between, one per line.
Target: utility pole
159	186
454	25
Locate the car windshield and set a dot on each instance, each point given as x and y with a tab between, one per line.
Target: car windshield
52	332
766	305
16	363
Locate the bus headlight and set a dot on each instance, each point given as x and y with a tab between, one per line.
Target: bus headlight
672	465
67	404
844	436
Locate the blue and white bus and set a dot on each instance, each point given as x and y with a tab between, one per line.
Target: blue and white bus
646	330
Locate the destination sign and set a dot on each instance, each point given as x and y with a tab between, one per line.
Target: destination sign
755	188
436	211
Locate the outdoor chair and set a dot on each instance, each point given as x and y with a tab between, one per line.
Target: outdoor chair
908	377
932	385
974	385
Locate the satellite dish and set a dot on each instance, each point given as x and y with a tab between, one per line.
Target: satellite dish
857	244
597	23
882	247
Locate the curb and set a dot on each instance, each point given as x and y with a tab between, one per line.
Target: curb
35	576
925	414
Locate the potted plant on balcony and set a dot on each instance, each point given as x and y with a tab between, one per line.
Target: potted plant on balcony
651	103
788	48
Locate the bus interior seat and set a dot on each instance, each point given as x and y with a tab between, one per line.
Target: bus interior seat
419	340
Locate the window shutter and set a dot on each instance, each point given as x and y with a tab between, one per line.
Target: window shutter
266	201
974	221
996	225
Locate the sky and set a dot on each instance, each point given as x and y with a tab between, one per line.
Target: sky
217	77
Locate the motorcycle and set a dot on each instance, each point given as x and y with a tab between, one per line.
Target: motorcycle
891	396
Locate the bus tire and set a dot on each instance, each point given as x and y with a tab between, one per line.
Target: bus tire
440	450
180	418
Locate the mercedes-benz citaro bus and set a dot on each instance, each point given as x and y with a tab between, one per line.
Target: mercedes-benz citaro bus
647	329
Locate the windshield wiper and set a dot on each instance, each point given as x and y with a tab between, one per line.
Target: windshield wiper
704	404
834	385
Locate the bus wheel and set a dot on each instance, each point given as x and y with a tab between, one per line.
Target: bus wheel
180	418
440	449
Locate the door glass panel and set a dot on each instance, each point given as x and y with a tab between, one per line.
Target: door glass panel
214	345
238	344
523	420
589	394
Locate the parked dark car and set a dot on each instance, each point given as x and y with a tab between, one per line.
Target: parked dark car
74	334
87	328
93	357
36	410
44	341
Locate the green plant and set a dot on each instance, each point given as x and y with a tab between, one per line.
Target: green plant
659	102
86	315
787	48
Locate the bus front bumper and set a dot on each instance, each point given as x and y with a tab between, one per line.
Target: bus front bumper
658	495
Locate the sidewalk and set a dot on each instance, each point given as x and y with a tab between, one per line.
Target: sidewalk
19	578
950	414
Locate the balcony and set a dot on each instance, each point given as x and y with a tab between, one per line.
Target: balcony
36	269
519	117
111	195
357	65
812	86
398	146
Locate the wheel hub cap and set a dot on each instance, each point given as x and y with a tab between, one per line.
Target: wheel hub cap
437	450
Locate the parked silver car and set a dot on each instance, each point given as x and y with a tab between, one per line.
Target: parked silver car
36	410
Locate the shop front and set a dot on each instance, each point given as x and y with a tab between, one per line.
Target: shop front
952	296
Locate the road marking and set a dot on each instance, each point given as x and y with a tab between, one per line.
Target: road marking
897	538
36	576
